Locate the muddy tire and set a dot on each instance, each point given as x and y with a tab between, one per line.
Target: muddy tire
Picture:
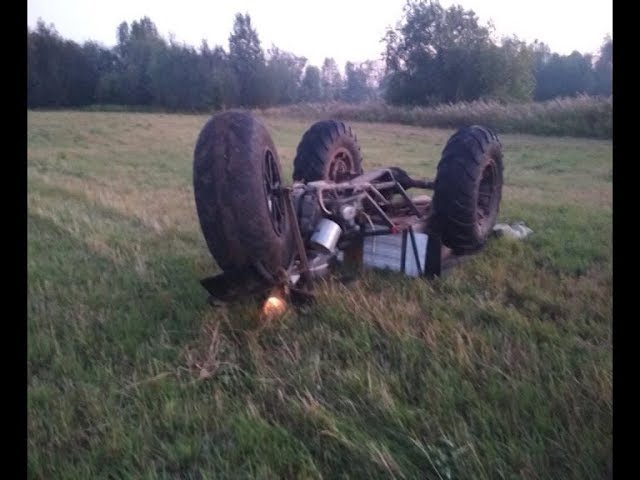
328	151
235	169
468	189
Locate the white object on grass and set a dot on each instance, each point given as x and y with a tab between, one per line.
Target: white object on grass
517	230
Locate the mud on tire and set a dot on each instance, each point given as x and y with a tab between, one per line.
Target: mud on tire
328	151
468	189
235	168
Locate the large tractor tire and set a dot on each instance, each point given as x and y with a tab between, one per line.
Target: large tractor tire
468	189
328	151
236	173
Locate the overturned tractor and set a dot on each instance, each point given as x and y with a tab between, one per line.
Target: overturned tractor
274	239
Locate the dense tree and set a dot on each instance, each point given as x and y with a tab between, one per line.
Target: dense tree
357	85
433	55
331	80
603	71
177	79
445	55
508	72
248	63
570	75
564	76
136	48
101	61
311	89
220	90
284	73
59	72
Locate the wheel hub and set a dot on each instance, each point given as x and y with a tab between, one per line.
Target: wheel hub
272	183
340	166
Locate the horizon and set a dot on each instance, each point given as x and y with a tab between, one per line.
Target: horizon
313	40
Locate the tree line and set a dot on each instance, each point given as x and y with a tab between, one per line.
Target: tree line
438	55
143	69
434	55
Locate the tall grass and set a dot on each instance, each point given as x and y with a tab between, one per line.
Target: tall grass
582	116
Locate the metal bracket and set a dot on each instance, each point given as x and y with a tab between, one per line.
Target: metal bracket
433	257
297	236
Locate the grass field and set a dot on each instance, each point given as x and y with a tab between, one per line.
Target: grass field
502	369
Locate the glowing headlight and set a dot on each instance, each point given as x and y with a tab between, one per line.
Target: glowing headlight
274	306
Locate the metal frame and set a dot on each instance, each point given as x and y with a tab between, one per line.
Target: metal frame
223	286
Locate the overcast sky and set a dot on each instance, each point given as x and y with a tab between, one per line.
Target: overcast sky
342	29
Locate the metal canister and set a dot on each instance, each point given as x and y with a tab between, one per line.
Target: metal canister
326	236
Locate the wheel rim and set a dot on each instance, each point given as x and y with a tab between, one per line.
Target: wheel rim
275	202
340	165
487	197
